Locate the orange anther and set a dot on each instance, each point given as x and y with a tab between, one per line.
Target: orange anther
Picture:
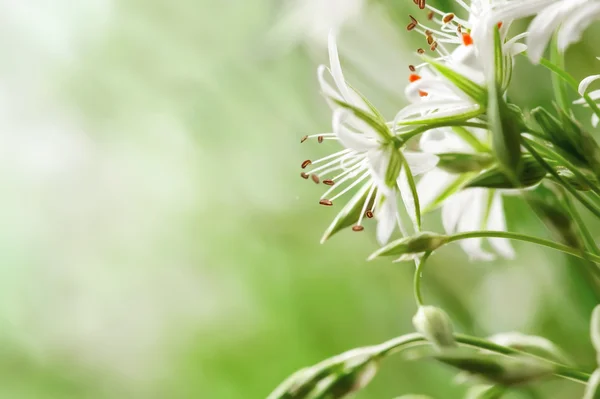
467	39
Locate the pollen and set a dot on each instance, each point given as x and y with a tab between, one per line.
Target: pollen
467	39
434	46
430	15
413	23
448	18
320	139
357	228
420	3
304	175
369	214
412	68
306	163
326	202
420	51
499	25
315	178
303	139
328	182
413	77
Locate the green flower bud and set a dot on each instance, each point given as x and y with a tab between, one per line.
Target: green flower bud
411	247
530	174
463	163
533	344
485	392
507	371
592	389
353	381
595	330
435	325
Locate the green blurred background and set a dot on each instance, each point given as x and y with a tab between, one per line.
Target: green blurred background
157	240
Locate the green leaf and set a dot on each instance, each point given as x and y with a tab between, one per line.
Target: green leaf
460	163
350	213
498	58
529	175
413	192
560	90
444	120
466	85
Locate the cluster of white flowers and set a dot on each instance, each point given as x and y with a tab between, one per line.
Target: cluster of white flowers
375	163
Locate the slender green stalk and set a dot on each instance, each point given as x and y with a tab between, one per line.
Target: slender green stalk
523	237
591	207
418	277
560	92
405	136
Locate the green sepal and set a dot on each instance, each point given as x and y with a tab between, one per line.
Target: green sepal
419	243
530	174
506	371
452	188
466	85
506	126
350	213
379	125
394	166
582	141
460	163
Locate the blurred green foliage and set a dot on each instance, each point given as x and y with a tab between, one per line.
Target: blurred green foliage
198	103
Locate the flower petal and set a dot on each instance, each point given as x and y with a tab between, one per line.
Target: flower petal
379	160
585	83
420	162
354	141
580	18
386	216
432	184
542	27
595	120
407	197
496	221
336	69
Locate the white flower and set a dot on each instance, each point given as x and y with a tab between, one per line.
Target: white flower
594	95
470	209
302	20
569	17
366	157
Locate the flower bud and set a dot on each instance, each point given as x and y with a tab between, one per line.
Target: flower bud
592	389
507	371
485	392
435	325
530	174
353	381
533	344
595	330
410	247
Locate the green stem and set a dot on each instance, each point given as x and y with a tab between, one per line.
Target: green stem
560	92
418	277
396	345
422	129
523	237
591	207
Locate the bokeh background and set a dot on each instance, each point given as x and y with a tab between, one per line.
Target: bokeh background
156	239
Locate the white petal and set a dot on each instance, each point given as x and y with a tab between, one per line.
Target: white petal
578	21
386	218
471	220
436	109
453	209
354	141
336	69
407	197
595	120
585	83
496	221
379	160
326	87
420	162
432	184
542	27
517	49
